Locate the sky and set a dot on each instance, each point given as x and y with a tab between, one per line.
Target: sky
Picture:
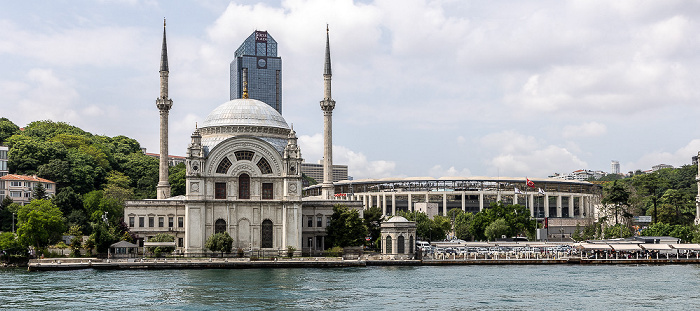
422	88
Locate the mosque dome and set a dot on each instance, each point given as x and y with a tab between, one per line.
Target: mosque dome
245	112
244	117
397	219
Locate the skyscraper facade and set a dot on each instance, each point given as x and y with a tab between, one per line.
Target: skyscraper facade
256	62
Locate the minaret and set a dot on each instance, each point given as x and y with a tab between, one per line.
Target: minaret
327	105
697	198
164	104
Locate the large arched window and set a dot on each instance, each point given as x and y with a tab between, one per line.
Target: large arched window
388	245
400	245
266	234
244	186
264	166
220	226
224	165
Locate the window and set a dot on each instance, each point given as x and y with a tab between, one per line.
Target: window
224	165
180	242
220	190
141	221
48	186
266	234
244	155
264	166
151	221
15	184
15	194
319	221
328	220
400	245
220	226
319	242
267	191
131	221
161	222
244	187
26	194
410	245
180	222
388	249
310	223
171	221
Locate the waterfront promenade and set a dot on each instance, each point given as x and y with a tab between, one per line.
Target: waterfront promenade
57	264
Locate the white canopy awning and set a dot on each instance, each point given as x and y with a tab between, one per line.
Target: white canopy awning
656	247
694	247
593	247
625	247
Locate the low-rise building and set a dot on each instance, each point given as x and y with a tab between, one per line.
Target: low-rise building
315	171
19	187
3	160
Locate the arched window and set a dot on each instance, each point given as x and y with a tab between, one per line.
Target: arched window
389	249
244	155
244	187
410	245
220	226
266	234
400	245
264	166
224	165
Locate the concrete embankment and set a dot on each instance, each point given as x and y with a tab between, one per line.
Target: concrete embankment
320	262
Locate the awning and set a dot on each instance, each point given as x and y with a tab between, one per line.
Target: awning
157	244
593	247
694	247
656	247
625	247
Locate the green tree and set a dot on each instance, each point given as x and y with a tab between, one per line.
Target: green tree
7	129
11	246
40	224
220	242
616	199
462	226
161	237
176	178
497	229
617	231
117	187
39	192
428	229
649	185
373	218
346	228
6	215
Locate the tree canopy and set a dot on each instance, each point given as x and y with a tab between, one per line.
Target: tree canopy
346	228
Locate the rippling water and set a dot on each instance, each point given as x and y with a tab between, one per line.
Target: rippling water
552	287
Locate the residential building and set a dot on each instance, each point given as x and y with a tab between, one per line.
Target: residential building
19	187
660	166
172	159
615	167
256	64
3	160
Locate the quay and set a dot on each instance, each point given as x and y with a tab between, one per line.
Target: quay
56	264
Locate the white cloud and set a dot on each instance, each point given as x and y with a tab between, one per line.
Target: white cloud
676	158
587	129
359	167
519	155
438	171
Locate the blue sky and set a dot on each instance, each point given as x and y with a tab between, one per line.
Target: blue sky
422	88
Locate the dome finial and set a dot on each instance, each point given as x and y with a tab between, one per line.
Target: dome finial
245	89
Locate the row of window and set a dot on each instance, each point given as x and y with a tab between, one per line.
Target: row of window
14	183
319	221
161	221
243	189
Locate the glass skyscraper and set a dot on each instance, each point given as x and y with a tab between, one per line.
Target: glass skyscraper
257	58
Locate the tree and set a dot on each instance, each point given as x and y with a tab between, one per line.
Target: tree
7	129
10	245
346	228
117	187
497	229
6	216
373	219
161	237
649	186
428	229
176	177
40	223
220	242
39	192
617	198
462	226
617	231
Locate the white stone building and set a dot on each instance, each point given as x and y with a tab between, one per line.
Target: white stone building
19	187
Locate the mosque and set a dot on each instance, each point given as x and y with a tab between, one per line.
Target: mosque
243	176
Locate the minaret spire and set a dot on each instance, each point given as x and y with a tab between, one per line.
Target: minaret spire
164	104
327	106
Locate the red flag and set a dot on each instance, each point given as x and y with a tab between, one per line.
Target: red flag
530	183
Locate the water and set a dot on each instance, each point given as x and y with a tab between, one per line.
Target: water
550	287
